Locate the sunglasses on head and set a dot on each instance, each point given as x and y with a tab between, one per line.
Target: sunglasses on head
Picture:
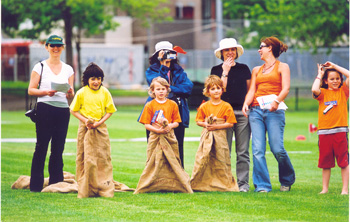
262	46
54	45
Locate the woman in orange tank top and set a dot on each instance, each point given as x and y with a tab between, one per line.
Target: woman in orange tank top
273	77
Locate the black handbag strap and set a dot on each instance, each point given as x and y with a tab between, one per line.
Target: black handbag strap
42	68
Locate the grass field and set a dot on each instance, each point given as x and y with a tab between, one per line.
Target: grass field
303	203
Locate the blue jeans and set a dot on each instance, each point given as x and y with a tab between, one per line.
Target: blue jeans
262	121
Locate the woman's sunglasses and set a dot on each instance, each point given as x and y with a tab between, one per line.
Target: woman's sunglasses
53	46
262	46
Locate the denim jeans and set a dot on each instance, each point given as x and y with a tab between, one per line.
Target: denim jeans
262	121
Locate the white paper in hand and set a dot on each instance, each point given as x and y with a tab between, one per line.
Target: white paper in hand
265	102
60	87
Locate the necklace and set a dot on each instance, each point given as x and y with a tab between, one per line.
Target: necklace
264	69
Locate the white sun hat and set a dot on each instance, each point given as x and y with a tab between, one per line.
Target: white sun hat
226	44
163	45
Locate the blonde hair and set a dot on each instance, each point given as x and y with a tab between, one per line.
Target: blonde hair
162	82
212	80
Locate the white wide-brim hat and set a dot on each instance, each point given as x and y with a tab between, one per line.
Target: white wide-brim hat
163	45
226	44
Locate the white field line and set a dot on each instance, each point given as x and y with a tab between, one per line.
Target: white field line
142	139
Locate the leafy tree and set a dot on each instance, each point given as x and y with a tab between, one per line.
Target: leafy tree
85	16
301	23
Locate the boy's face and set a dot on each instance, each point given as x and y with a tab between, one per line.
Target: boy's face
95	83
215	92
160	91
333	80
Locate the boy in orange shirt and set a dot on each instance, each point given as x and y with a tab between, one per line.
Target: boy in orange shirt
163	170
332	95
212	168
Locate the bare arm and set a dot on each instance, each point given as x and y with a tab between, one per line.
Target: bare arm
212	127
285	74
33	87
70	93
250	94
318	81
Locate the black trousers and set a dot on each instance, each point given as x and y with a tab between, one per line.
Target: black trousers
51	125
180	135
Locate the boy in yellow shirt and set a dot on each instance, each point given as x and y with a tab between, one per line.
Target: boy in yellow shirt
93	105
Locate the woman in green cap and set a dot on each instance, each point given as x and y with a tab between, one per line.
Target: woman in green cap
52	112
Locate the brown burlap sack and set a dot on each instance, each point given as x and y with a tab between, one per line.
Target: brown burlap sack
68	186
212	168
23	182
93	163
163	171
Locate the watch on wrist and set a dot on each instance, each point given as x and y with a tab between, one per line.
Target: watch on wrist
223	75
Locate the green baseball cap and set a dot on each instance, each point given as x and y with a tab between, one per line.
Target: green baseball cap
54	39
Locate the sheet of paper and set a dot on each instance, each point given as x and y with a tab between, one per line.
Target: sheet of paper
265	102
60	87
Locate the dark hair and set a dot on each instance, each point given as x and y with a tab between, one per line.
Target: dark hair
154	59
222	56
325	77
92	70
278	47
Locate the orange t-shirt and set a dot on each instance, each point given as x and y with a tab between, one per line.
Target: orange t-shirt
223	110
170	111
338	115
267	84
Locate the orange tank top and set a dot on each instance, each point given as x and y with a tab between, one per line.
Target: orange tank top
268	83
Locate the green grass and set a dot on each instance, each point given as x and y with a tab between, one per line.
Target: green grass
303	203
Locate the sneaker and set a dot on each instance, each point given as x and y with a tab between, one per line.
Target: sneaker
244	190
262	191
285	188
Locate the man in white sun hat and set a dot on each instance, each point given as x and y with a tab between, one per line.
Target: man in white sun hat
164	63
236	77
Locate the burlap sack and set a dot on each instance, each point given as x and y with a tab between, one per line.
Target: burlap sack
212	168
68	186
93	163
23	182
163	171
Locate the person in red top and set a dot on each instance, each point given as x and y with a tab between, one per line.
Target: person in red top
332	95
272	78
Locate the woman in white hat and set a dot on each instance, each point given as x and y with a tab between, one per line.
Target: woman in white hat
272	78
236	78
164	63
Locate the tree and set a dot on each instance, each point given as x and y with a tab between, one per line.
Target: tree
90	16
300	23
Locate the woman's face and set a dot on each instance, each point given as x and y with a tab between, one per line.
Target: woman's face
54	50
230	52
263	49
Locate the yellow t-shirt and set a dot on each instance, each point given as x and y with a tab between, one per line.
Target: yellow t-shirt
93	104
338	115
222	110
170	111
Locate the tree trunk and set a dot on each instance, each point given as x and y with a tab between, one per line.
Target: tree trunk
79	71
68	28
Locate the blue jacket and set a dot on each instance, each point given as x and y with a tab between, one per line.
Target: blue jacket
181	86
